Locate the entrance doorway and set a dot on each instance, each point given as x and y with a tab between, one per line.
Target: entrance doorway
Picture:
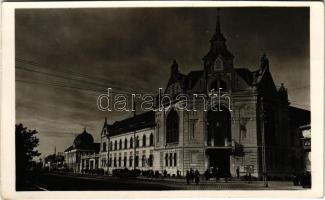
220	159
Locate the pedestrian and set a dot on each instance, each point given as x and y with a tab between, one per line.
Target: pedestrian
237	172
187	177
197	176
217	173
191	175
207	174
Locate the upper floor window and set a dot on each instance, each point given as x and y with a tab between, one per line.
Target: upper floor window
104	146
192	128
115	145
111	146
131	142
125	143
151	140
137	141
120	146
218	64
172	126
144	140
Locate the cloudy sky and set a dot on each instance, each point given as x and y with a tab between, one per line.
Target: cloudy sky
66	57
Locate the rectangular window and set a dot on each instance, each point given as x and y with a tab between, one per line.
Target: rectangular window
171	159
157	133
130	161
175	159
136	159
192	128
166	159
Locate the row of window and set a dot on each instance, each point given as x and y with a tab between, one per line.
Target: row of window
171	159
172	134
120	145
118	162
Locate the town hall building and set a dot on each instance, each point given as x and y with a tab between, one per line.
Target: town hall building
251	128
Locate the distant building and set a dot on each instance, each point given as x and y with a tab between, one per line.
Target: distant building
54	162
83	144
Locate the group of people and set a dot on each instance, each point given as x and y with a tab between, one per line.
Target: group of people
192	176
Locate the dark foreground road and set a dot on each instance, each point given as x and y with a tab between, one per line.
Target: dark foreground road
59	182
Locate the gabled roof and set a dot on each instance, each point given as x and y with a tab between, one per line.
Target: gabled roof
192	78
246	74
141	121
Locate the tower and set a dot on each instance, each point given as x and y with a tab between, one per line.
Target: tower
218	58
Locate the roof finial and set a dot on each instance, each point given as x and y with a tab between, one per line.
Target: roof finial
218	30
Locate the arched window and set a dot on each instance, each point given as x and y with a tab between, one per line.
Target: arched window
124	163
115	162
130	160
131	142
115	145
104	146
172	127
151	140
125	143
120	146
137	141
144	140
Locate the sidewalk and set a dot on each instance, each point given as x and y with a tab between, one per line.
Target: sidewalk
222	184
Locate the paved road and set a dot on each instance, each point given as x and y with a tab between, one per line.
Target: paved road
57	182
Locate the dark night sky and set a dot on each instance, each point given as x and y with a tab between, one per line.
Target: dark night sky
135	48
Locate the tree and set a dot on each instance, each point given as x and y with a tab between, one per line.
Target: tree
26	141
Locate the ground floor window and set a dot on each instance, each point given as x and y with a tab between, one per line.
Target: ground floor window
150	160
143	161
136	161
124	162
130	161
175	159
119	161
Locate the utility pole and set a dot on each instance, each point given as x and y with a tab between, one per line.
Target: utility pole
263	144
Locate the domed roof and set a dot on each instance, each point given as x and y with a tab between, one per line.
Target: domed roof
83	140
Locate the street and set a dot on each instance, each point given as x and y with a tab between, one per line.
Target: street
63	182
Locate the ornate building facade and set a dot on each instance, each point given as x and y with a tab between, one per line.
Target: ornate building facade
83	145
249	126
